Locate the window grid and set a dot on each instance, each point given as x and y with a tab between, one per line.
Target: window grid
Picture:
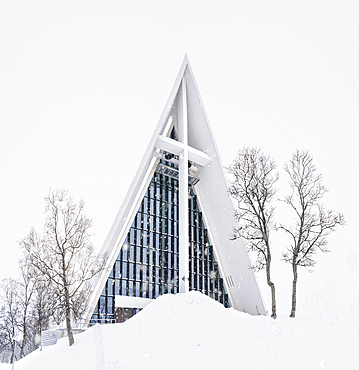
148	263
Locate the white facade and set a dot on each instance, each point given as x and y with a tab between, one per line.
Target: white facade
184	111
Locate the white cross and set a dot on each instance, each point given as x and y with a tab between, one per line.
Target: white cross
186	153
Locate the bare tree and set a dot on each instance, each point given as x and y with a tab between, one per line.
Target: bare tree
42	312
16	312
26	292
313	223
10	313
65	255
253	187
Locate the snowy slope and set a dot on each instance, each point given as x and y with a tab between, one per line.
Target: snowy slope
191	331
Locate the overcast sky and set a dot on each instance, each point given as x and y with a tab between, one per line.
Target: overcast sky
83	84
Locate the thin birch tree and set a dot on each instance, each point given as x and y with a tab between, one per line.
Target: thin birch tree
65	254
26	292
253	188
313	223
10	313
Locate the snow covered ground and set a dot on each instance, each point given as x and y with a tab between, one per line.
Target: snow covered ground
192	331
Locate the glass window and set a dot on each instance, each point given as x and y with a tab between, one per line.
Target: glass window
175	197
145	221
144	273
157	260
144	289
117	287
152	250
118	269
170	260
150	257
158	224
132	253
175	213
152	206
110	286
124	287
139	220
164	242
124	270
145	205
169	243
150	291
130	271
130	288
139	237
102	306
157	290
145	239
144	255
110	305
132	236
157	275
138	290
138	272
175	229
157	241
175	245
152	190
164	222
150	274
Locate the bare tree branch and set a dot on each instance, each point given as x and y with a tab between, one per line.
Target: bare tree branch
253	188
65	255
313	223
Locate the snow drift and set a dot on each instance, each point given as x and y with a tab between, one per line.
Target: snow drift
192	331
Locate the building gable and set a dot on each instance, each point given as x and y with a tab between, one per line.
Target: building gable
184	133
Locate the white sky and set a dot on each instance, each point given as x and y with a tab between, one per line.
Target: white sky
83	84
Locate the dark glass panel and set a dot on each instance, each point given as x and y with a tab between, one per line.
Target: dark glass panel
130	288
145	221
152	190
152	206
150	273
110	305
124	287
132	235
117	287
155	259
145	205
132	253
150	290
124	270
102	305
110	286
138	290
131	272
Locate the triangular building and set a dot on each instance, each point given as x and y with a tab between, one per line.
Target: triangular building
172	233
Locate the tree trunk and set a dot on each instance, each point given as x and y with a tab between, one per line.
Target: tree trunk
271	284
23	338
68	318
68	327
294	290
13	347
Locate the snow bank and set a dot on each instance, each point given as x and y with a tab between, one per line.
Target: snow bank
191	331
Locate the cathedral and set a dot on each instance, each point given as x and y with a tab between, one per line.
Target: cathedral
172	233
